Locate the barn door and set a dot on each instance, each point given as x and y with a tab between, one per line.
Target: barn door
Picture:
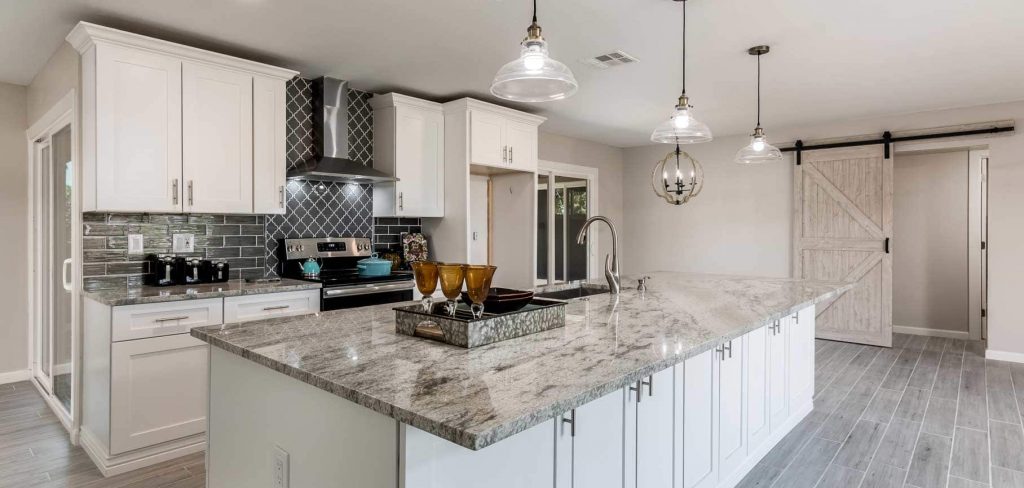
842	224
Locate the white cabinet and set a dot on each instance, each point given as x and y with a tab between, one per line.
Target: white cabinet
408	143
160	319
269	159
170	128
801	353
132	130
649	443
778	377
590	445
732	440
497	140
695	414
756	378
258	307
217	139
158	391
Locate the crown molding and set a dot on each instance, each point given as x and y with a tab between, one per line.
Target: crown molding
85	35
474	104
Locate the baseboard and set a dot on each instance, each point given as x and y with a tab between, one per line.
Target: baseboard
1013	357
15	376
123	463
923	331
765	447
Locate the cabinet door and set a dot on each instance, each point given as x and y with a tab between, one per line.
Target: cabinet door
522	146
732	440
269	161
597	458
801	358
138	130
756	377
695	413
217	139
487	144
654	432
419	162
778	362
158	391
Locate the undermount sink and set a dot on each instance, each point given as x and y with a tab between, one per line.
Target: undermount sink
574	292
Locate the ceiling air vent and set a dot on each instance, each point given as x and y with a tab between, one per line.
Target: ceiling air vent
605	61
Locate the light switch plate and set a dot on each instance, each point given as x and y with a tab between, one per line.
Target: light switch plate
280	468
135	244
183	243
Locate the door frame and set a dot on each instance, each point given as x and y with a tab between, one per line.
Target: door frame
591	174
63	112
977	149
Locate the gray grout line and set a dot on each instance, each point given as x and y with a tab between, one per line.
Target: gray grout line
952	444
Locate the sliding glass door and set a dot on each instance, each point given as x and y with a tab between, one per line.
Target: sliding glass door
564	202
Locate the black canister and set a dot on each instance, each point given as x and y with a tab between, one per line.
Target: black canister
186	271
161	270
214	272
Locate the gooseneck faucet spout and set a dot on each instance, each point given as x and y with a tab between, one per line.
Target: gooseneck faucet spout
611	262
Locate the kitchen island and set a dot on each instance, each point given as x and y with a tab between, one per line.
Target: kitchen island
687	384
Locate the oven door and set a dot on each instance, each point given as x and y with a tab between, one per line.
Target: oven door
336	298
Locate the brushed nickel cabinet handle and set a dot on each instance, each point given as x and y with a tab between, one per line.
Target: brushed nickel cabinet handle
504	154
190	200
511	157
174	191
401	200
171	319
650	385
638	388
280	190
571	421
278	307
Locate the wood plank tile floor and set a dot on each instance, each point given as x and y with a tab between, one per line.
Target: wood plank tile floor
927	413
35	452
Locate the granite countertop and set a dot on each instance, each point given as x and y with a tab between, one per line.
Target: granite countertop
476	397
157	294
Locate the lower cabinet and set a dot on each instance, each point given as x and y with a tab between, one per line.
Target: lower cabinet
649	464
756	378
695	414
778	361
158	391
590	444
730	399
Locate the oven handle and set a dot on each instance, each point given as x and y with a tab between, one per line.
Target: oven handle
368	289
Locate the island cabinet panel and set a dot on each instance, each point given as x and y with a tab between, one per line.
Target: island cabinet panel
649	443
695	414
526	459
732	441
596	434
756	378
778	379
801	347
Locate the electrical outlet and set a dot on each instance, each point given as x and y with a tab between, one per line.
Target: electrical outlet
280	468
135	244
183	243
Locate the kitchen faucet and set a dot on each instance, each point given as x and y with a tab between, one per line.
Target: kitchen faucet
611	262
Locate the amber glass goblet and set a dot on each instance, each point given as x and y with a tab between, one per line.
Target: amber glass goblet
452	276
478	284
426	281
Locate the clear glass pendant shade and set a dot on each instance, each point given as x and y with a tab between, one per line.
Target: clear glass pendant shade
535	76
681	128
758	151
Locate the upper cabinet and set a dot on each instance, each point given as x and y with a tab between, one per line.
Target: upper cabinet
500	137
408	143
170	128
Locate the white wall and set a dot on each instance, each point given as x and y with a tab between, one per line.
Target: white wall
14	220
929	272
741	223
608	161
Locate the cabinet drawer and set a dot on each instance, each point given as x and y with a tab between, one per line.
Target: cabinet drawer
160	319
158	391
257	307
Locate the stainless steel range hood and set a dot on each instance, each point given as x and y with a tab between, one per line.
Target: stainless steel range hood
330	136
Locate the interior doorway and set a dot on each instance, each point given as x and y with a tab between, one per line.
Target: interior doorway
939	236
566	198
54	246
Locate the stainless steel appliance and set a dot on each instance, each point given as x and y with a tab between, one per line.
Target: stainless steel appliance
342	285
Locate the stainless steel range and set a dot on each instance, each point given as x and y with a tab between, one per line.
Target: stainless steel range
331	261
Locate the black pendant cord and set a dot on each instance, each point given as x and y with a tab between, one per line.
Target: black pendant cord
759	90
684	47
534	11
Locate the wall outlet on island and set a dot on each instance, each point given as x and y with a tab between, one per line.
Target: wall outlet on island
280	468
183	243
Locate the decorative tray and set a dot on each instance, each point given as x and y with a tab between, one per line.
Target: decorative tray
464	331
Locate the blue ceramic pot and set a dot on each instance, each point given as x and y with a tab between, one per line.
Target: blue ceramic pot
374	266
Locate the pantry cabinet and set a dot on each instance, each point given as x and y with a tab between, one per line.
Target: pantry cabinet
171	128
408	143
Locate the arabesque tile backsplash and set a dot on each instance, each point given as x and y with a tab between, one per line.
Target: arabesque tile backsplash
249	242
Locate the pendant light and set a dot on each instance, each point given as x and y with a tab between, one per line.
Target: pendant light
679	182
758	151
682	127
534	76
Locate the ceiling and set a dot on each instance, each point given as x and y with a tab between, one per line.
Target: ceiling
830	59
